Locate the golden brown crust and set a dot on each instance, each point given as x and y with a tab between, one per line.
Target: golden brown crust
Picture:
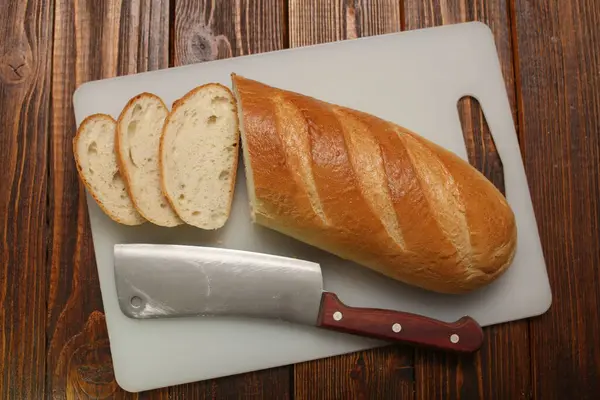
87	184
176	104
121	157
373	192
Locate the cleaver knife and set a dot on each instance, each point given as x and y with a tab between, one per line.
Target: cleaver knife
166	281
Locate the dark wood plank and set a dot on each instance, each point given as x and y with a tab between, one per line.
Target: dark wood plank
559	114
92	40
268	384
501	369
25	49
143	36
316	21
208	30
385	373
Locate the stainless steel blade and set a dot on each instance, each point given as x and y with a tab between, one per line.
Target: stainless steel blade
169	281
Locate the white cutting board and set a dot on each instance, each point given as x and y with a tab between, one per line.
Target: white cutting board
413	78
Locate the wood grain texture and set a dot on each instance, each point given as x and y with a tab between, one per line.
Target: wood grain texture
208	30
143	36
379	374
268	384
25	49
559	112
385	373
92	40
85	360
316	21
501	369
399	326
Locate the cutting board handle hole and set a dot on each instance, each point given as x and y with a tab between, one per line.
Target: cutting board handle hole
481	148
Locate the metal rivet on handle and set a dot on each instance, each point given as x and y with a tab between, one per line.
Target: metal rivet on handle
337	315
396	327
454	338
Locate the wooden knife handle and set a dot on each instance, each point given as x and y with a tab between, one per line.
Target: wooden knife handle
464	335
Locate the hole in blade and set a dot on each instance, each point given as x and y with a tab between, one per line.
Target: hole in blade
136	302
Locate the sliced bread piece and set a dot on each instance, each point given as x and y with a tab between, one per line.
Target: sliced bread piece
199	155
139	128
94	150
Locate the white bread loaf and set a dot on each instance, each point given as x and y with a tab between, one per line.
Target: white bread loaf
139	129
371	191
96	161
198	156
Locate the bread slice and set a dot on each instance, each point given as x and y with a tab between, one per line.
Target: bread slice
199	155
139	128
94	150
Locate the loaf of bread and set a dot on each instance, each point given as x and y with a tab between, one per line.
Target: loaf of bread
139	129
199	155
371	191
96	161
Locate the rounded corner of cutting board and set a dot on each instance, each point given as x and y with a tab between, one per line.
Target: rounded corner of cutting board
479	25
124	381
545	302
131	382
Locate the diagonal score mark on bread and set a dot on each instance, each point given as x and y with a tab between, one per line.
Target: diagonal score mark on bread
348	213
296	146
442	194
366	160
393	201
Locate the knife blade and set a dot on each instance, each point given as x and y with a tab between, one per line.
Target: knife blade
167	281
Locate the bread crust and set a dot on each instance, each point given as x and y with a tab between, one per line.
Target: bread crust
86	183
121	157
176	105
372	192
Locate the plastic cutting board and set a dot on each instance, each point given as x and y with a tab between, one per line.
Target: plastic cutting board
412	78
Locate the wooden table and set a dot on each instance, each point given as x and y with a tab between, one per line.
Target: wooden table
53	339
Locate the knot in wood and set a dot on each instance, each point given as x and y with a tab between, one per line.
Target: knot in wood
15	66
203	46
91	371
